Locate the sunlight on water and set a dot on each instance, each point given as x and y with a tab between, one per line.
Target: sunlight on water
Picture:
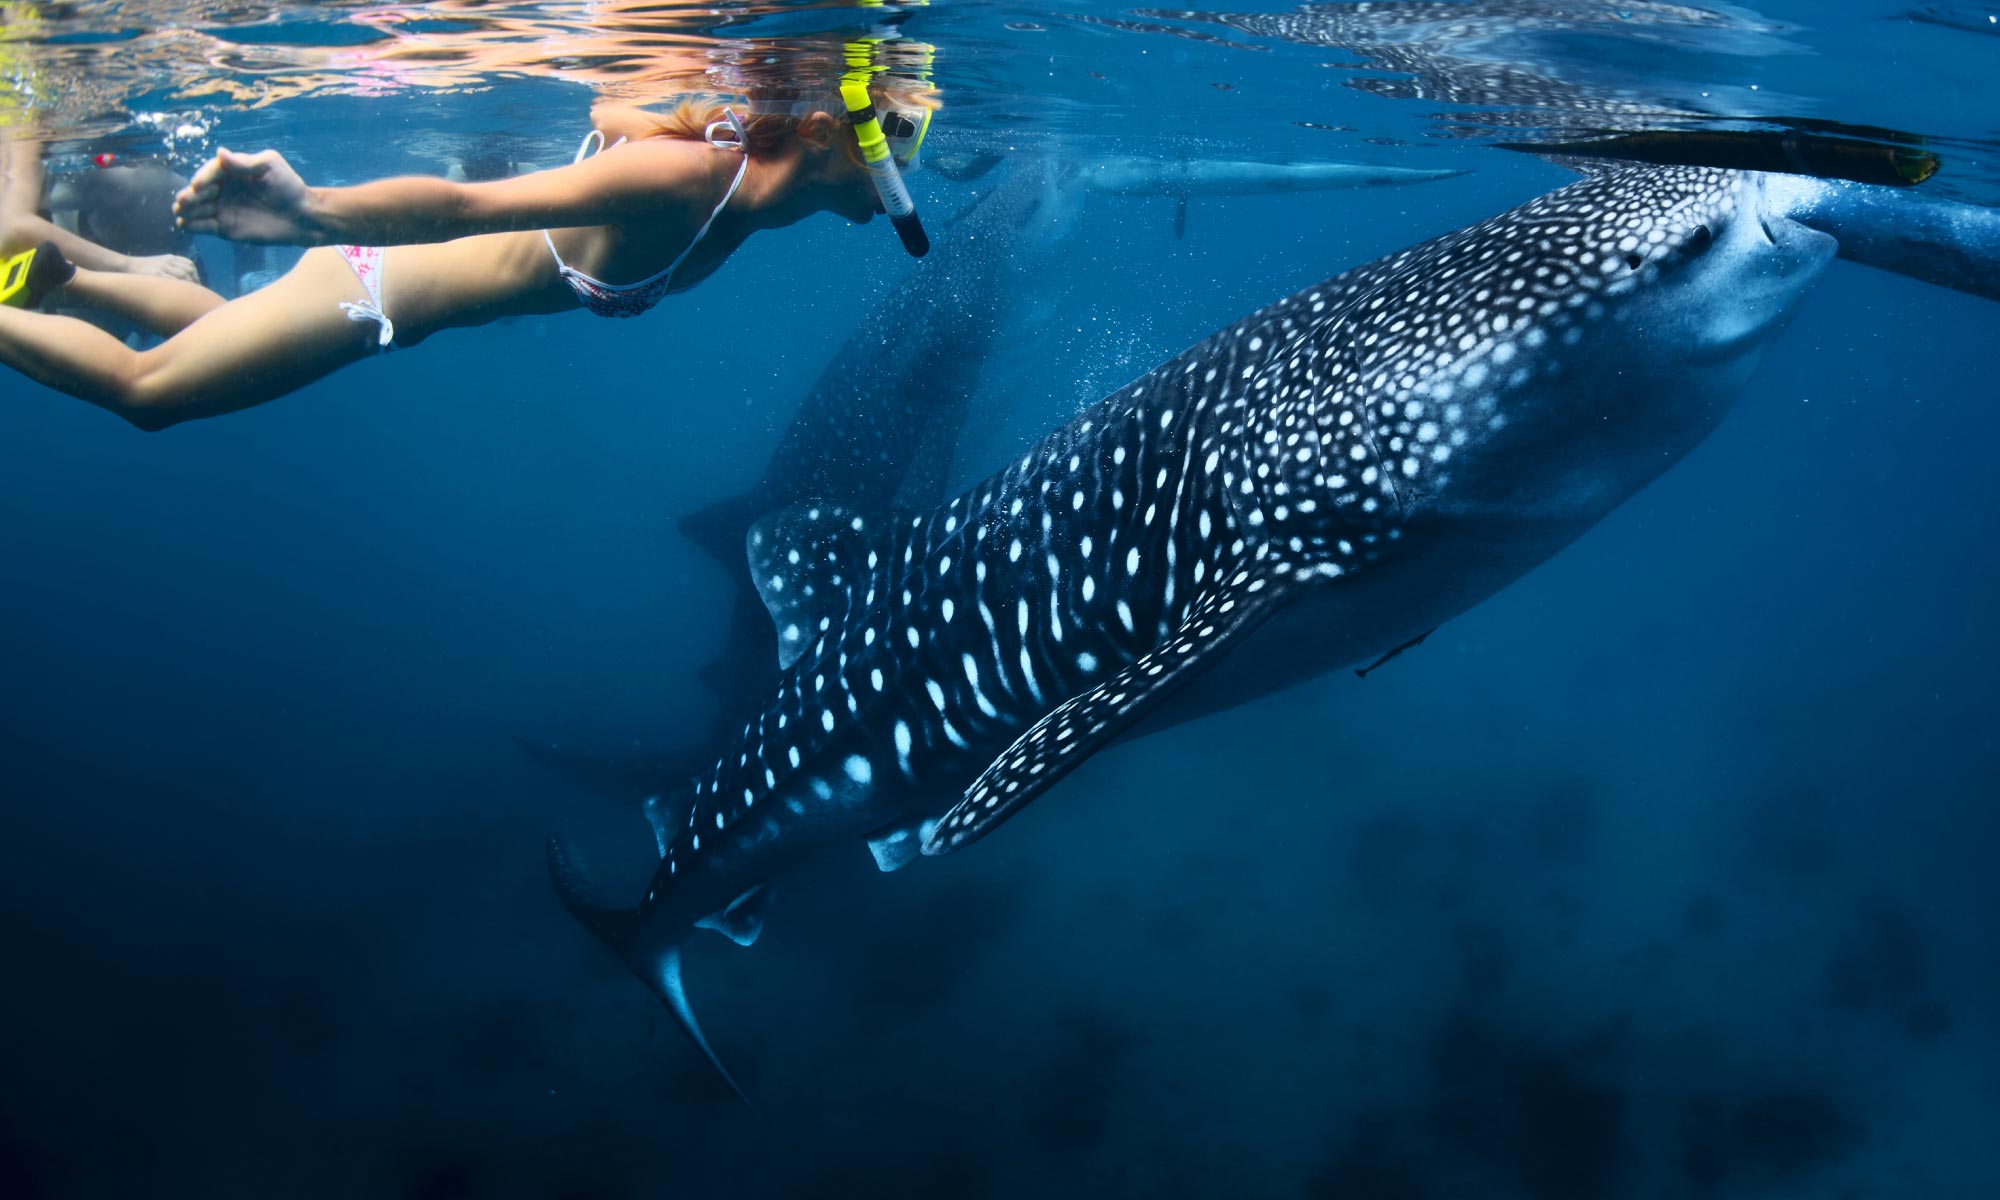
1270	77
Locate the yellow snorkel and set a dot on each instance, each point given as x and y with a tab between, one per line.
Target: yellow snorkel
876	157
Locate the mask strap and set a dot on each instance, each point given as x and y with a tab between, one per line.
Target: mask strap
738	137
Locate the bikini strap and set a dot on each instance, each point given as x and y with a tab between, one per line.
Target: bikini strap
593	142
713	213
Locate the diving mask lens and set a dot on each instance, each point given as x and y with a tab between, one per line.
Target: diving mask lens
904	132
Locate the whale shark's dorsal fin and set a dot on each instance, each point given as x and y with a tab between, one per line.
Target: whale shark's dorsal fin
808	560
1088	721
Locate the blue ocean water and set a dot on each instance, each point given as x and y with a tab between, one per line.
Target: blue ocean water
1666	872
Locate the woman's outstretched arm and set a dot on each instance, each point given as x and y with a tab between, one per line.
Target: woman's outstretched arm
23	228
260	198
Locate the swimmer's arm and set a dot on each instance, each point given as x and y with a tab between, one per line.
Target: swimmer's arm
24	231
258	197
23	228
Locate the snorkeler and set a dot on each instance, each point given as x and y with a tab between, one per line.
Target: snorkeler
397	260
116	217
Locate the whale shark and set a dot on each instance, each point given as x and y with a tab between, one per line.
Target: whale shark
881	424
1316	486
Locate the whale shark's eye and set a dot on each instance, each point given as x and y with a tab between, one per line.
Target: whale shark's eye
1700	240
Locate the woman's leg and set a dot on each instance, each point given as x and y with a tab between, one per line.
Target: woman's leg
240	354
152	302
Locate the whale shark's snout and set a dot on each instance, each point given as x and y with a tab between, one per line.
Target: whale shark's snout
1749	267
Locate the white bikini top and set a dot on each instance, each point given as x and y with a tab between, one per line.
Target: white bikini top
631	299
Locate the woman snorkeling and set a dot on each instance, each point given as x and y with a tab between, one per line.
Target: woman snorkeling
661	203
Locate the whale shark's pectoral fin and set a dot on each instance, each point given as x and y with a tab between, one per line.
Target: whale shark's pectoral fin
743	920
807	562
1088	721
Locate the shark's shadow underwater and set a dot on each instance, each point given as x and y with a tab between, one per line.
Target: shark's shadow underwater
1314	487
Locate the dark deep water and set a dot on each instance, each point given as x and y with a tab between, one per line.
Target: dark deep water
1665	873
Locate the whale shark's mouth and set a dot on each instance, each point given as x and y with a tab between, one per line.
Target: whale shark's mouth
1754	277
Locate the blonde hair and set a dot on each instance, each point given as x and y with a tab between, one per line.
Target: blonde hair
767	126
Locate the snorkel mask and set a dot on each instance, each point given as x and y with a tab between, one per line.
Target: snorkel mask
889	142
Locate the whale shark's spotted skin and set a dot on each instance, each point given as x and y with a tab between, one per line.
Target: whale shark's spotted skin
1297	437
881	424
1351	465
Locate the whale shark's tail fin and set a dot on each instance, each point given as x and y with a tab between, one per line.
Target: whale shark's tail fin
659	970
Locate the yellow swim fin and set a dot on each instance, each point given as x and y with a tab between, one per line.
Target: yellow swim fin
14	279
32	274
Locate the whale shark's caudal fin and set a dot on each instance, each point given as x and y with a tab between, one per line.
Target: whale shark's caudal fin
660	970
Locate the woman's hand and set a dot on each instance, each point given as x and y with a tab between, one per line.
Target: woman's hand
248	198
166	266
